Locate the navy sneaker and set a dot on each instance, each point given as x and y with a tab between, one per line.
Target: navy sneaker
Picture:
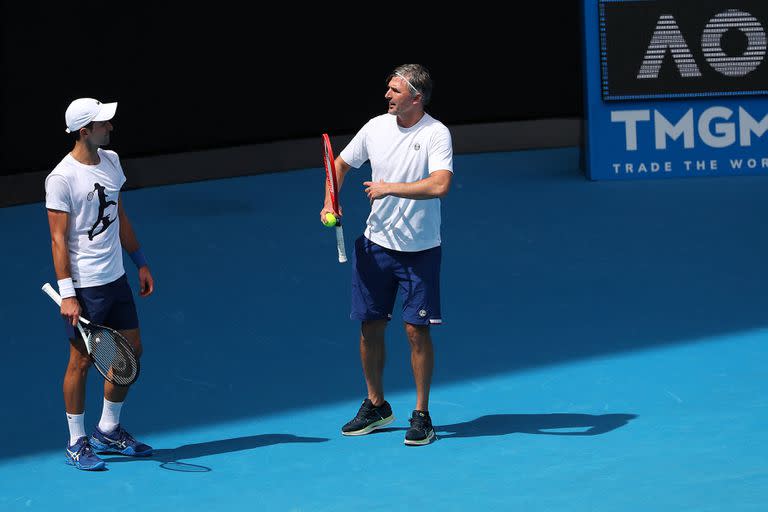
82	457
421	431
368	419
118	441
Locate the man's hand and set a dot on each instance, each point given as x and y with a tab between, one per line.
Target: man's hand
376	189
70	309
146	283
328	208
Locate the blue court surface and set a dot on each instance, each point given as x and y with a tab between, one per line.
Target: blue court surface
604	349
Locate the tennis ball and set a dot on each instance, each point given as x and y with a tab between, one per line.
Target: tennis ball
330	220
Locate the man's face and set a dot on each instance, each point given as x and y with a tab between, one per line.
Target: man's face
400	97
99	133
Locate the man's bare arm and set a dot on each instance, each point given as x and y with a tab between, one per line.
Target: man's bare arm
435	186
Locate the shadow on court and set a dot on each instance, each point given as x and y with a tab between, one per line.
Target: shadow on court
558	424
170	458
549	424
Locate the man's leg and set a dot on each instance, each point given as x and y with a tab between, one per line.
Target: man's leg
109	436
375	412
372	355
79	453
115	393
373	295
75	377
421	431
422	362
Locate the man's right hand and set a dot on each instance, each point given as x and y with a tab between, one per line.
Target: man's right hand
70	309
328	208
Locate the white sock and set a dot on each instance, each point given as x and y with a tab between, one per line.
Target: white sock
110	416
76	427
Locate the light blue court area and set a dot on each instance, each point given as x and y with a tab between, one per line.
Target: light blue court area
604	349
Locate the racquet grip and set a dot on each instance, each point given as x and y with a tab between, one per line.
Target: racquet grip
55	297
47	288
340	244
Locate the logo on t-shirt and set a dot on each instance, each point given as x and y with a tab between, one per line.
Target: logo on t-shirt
416	146
103	221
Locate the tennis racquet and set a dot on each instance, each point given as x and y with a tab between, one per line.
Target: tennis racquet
333	190
110	352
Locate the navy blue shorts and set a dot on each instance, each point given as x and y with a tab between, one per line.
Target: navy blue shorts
109	304
379	274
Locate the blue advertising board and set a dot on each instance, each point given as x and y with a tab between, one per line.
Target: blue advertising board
675	88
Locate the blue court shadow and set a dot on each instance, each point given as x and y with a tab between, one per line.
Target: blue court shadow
173	458
560	424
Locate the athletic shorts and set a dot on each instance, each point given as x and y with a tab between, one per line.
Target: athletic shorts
380	274
109	304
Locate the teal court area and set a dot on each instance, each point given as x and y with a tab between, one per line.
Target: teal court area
603	349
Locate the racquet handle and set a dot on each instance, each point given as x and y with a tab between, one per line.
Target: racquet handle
55	297
47	288
340	244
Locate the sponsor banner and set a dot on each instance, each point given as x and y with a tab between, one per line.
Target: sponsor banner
675	88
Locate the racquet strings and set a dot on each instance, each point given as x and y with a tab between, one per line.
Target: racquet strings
113	357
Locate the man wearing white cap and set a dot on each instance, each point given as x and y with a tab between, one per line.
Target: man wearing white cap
89	230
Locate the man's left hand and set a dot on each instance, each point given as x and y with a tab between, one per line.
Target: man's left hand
376	189
146	283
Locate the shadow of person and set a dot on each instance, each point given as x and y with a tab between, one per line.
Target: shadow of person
169	457
558	424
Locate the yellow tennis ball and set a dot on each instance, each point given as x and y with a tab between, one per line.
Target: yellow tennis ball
330	220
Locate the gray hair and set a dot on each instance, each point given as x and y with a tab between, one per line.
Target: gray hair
418	79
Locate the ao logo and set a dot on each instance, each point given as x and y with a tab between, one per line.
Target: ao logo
667	36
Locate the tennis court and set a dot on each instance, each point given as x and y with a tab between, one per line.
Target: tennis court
603	349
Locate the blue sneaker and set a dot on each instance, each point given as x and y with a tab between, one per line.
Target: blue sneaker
119	441
82	457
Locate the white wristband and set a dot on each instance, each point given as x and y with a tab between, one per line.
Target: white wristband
66	288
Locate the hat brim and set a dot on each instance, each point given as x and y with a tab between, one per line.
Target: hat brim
107	112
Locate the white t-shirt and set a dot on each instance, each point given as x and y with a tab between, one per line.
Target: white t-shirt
402	155
89	193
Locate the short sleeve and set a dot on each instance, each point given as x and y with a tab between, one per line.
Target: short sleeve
441	150
57	193
356	152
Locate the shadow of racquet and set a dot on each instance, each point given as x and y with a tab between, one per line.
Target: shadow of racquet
170	458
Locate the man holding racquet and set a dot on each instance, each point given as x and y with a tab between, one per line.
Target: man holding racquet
89	228
411	157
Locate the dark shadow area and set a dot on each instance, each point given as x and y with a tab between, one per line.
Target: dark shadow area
503	424
170	458
251	309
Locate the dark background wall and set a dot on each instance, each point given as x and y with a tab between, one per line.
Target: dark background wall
193	77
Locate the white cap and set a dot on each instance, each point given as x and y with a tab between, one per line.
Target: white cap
84	110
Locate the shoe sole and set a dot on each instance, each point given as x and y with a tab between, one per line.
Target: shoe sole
431	437
101	448
110	451
370	428
96	467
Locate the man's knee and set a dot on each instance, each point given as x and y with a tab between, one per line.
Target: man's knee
134	339
373	330
79	361
418	335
